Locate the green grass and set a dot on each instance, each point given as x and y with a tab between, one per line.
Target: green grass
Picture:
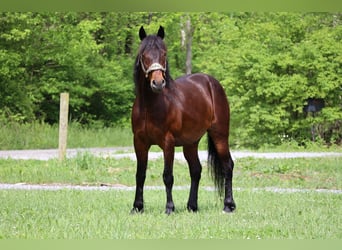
43	136
70	214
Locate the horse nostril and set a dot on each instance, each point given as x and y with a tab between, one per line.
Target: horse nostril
158	83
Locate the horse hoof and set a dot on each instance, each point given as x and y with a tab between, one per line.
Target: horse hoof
169	211
192	209
136	210
229	208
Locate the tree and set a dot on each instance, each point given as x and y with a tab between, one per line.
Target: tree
14	37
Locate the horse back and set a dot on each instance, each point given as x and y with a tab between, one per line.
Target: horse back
216	93
206	86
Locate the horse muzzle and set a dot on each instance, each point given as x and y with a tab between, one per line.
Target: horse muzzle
158	86
157	80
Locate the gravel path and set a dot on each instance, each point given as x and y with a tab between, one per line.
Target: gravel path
54	187
126	152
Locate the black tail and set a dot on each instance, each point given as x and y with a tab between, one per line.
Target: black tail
215	166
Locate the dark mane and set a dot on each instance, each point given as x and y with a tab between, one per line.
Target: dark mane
151	41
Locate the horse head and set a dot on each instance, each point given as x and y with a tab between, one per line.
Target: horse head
152	58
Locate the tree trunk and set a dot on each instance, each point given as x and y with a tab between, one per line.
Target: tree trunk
188	38
186	41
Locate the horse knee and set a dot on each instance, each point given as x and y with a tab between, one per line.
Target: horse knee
195	173
167	178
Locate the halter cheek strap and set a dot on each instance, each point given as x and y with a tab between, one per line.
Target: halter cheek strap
154	66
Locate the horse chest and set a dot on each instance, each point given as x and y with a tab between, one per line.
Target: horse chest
154	124
158	122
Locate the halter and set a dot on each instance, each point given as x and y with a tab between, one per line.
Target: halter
154	66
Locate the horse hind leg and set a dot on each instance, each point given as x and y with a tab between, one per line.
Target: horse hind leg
195	169
229	203
222	165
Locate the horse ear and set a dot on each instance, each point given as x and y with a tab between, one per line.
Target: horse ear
161	32
142	33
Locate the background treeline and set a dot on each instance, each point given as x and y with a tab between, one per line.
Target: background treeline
268	63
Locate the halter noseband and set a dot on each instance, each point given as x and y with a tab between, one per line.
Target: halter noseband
154	66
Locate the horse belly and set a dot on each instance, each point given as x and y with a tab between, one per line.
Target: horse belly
188	138
193	126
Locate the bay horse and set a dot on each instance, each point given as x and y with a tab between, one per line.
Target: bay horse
171	113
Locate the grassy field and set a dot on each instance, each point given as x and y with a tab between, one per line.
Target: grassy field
261	214
70	214
43	136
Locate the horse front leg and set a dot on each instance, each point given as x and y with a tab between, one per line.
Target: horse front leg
169	152
141	152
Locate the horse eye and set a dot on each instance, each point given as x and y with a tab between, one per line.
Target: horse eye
146	60
163	54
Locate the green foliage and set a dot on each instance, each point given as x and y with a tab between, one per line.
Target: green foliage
268	63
